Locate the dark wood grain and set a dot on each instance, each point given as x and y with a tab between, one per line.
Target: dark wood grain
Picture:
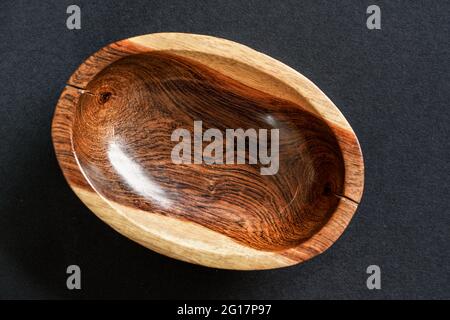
135	103
112	134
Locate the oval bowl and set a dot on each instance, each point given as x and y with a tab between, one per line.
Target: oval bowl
130	133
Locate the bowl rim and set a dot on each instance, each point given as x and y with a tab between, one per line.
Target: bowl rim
201	245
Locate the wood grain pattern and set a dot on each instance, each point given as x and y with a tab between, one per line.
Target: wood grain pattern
111	133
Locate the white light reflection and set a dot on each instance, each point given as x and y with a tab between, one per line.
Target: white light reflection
135	177
271	121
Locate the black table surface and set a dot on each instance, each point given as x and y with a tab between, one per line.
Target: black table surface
391	84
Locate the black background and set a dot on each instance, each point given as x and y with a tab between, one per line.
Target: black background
391	84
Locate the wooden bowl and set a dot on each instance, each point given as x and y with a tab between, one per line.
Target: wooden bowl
112	133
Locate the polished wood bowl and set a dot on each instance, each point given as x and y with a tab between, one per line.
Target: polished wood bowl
112	135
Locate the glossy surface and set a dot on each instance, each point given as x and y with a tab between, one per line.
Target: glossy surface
112	132
122	140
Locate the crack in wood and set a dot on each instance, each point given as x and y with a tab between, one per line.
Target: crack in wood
345	197
81	90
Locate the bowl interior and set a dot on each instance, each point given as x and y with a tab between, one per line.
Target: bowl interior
123	139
